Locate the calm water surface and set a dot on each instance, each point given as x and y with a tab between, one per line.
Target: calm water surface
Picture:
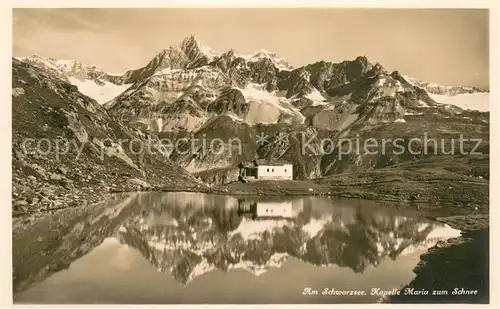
198	248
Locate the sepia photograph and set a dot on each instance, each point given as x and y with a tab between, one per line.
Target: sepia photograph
308	155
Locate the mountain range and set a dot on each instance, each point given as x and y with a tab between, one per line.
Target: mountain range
191	91
184	86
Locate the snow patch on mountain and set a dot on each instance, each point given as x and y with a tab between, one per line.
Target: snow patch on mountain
90	80
388	87
207	51
275	261
266	107
233	117
437	234
200	269
479	101
101	94
422	103
444	231
41	61
413	114
316	97
433	88
252	229
412	81
314	227
280	63
255	92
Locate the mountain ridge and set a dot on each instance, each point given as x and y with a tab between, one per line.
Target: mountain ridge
190	53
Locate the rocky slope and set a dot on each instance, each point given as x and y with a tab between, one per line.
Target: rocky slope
317	152
67	150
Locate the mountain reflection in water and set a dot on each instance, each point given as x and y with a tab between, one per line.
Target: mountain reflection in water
187	235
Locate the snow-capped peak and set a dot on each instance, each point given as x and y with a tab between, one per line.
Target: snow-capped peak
90	80
192	42
280	63
263	53
435	88
67	67
471	98
40	61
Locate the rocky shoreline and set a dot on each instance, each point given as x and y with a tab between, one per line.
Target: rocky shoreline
34	202
30	203
434	195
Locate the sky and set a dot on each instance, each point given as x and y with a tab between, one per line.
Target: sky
445	46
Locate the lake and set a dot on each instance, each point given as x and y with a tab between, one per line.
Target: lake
180	248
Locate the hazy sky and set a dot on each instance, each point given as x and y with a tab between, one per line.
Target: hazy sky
447	46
